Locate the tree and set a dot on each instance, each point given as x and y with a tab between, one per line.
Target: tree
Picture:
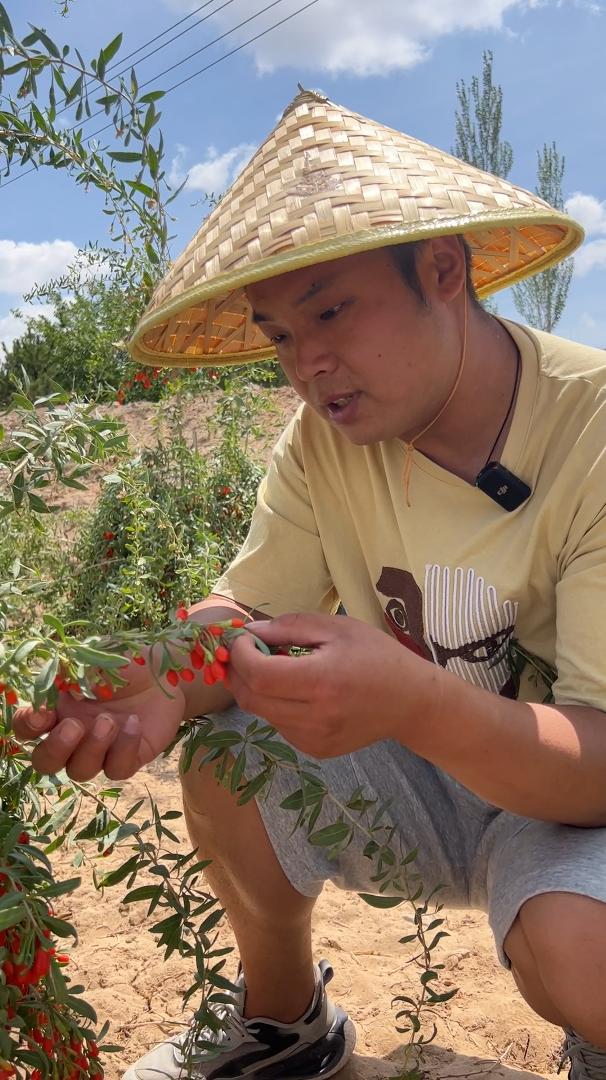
478	124
39	81
94	307
541	299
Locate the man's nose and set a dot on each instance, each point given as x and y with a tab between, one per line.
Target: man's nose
313	358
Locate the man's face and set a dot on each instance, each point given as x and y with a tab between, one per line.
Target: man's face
358	345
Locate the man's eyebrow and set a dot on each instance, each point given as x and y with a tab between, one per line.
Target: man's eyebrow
313	290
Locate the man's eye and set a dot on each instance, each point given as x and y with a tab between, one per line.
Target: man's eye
277	339
331	312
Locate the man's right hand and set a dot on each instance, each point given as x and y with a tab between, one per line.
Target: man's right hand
87	737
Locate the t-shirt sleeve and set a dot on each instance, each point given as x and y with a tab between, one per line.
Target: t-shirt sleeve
581	616
281	566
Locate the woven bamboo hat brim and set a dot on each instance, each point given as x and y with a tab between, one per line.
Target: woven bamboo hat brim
328	183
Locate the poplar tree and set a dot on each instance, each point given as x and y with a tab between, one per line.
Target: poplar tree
540	300
478	122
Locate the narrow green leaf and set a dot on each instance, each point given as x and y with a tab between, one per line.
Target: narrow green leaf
110	50
124	155
382	901
331	834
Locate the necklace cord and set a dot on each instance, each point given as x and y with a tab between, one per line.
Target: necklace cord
508	413
409	447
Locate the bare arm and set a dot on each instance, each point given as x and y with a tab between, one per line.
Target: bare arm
539	761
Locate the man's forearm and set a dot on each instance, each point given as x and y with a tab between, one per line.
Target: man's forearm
540	761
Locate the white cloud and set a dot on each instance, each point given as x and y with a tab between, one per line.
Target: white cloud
355	36
591	214
13	324
592	256
214	173
23	265
588	211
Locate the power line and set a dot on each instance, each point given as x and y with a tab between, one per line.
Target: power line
162	33
196	52
153	52
201	71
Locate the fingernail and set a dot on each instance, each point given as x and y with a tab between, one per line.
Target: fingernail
131	724
69	730
103	726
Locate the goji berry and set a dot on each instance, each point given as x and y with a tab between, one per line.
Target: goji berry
11	697
181	613
139	660
222	654
237	623
48	1044
196	660
41	964
187	674
208	677
216	631
62	958
23	837
93	1049
172	677
109	535
104	691
218	670
38	1035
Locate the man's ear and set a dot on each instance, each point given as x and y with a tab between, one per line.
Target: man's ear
441	267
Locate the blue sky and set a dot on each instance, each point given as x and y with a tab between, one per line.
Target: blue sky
397	61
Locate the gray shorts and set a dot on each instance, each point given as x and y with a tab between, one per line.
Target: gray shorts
485	858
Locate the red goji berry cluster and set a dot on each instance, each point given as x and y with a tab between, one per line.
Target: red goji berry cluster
146	379
209	655
72	1058
10	695
108	536
8	747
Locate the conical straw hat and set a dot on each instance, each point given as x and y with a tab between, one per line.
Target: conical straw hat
328	183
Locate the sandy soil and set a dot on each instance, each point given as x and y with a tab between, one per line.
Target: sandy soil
486	1030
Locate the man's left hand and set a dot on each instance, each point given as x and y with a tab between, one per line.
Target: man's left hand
357	685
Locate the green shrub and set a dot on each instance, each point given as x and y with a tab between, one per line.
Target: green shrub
165	526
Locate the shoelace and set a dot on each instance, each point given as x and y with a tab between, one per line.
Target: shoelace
587	1062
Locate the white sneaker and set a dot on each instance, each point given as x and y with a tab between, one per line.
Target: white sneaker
319	1044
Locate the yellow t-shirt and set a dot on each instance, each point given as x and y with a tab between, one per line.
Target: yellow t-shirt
453	576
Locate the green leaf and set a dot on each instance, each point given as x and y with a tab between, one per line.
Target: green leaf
154	95
116	876
54	623
382	901
145	892
46	676
49	45
93	657
331	834
110	50
5	23
124	155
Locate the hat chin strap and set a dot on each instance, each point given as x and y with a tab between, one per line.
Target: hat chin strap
409	447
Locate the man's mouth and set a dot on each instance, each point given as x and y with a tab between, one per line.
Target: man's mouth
343	407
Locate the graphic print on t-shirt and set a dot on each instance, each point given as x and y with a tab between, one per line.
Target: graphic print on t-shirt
457	621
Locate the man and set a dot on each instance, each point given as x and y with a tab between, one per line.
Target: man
444	481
